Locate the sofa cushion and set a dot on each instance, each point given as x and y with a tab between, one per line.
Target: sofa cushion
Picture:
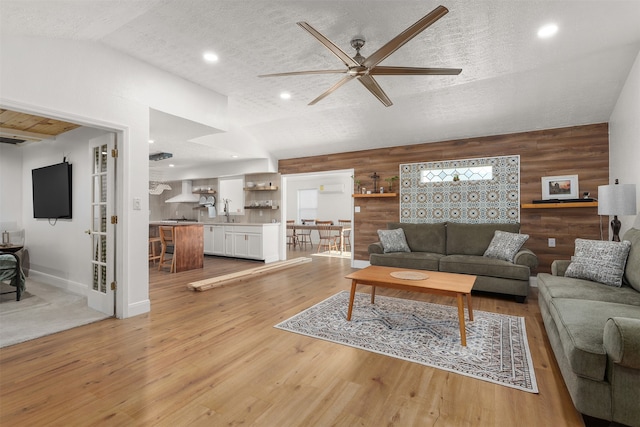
632	271
505	245
415	260
599	260
473	239
479	265
581	325
423	237
550	286
393	240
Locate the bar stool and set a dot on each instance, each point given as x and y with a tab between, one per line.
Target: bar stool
168	248
153	255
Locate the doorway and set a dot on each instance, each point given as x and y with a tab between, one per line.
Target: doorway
334	191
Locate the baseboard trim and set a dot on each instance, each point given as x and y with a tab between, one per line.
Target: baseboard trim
137	308
68	285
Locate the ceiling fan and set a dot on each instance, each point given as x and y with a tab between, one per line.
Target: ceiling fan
363	69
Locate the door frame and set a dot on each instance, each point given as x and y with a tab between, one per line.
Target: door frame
122	308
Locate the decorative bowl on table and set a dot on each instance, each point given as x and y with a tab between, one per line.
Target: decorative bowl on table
250	184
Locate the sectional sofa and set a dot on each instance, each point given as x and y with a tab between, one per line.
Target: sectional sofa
460	248
594	330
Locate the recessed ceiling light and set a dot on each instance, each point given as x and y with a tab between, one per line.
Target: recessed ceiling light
172	165
547	31
234	156
210	57
285	95
151	141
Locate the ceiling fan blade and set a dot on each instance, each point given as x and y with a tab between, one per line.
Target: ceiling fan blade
342	81
341	54
400	71
300	73
402	38
370	83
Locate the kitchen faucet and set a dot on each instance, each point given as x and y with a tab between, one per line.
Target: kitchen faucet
226	208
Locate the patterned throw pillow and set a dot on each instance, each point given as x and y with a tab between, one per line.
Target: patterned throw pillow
505	245
393	240
599	260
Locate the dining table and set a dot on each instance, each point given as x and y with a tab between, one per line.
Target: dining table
340	228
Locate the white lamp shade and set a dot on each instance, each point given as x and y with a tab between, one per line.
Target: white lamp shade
617	199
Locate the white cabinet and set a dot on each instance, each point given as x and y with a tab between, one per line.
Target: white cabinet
251	241
214	239
208	239
218	240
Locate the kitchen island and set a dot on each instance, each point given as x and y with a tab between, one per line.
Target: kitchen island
188	242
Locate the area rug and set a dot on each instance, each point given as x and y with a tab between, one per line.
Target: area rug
497	349
42	310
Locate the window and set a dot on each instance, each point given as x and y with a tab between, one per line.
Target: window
474	173
232	190
307	204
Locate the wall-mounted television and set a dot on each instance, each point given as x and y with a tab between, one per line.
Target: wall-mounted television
52	191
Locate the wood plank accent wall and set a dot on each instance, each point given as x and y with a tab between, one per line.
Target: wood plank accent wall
581	150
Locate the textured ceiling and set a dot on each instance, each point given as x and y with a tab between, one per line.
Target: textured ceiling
511	80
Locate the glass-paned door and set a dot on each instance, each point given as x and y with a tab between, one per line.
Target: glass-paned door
102	293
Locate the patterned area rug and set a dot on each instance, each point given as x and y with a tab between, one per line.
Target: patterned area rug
497	350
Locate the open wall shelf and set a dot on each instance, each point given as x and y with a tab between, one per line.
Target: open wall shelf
559	205
356	196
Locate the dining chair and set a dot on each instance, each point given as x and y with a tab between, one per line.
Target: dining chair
168	248
304	236
292	237
327	238
346	234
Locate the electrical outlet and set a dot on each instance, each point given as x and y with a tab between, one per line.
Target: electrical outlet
552	242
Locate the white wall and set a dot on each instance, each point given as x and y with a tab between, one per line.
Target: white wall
60	250
331	206
10	187
624	139
89	84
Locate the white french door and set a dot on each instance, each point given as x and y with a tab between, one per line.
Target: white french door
102	291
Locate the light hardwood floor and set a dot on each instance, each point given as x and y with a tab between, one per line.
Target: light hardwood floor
213	358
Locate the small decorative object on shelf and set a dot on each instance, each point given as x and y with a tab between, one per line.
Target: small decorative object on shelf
390	182
375	178
356	183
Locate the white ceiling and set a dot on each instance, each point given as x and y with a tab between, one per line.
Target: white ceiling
511	80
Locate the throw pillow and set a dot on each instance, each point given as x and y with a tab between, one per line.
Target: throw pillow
505	245
393	240
599	260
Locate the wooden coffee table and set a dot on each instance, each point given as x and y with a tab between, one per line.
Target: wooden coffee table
450	284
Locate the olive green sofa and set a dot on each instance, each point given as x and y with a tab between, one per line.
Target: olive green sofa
459	248
594	330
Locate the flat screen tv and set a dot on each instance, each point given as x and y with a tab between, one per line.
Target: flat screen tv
52	191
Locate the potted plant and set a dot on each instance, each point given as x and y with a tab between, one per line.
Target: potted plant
390	181
356	182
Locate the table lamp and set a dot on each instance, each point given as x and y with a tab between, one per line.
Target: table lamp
617	199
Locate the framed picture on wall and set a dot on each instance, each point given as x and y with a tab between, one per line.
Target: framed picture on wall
560	187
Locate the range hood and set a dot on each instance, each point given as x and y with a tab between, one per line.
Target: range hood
186	196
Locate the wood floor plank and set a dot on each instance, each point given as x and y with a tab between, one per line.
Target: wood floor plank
214	358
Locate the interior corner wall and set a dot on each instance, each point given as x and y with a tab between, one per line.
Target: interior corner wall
624	136
67	266
10	187
90	84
